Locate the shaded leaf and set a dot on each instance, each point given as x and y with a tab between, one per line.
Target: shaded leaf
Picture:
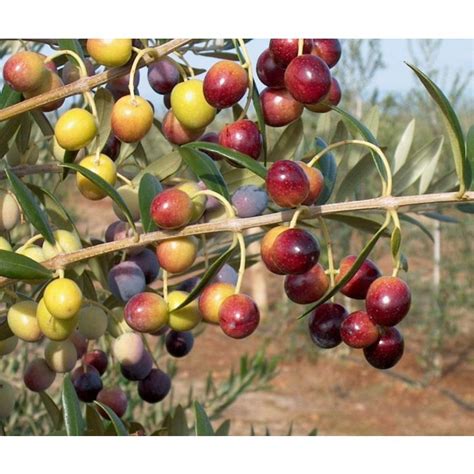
328	167
30	206
358	222
117	423
203	426
9	96
149	188
223	429
417	223
453	126
72	45
232	155
53	411
354	178
178	425
205	169
236	177
105	187
395	242
5	331
104	103
441	217
73	419
466	207
210	273
162	168
43	123
288	141
94	422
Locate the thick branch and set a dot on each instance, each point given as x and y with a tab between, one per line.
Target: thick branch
26	170
235	225
87	83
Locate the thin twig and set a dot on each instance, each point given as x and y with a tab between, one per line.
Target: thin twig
87	83
238	225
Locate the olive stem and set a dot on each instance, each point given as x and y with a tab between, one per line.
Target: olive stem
247	64
243	254
165	285
296	216
300	46
207	192
125	180
386	184
327	240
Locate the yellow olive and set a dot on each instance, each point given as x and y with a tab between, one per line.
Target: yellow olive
66	242
9	211
199	202
183	319
110	52
52	328
103	167
63	298
32	251
130	195
190	106
60	356
23	322
75	129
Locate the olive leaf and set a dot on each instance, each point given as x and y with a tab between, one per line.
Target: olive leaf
205	169
35	215
403	146
53	411
117	423
288	141
148	189
452	124
73	419
105	187
5	331
20	267
203	426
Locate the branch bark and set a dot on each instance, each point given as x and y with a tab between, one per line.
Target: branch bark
87	83
237	225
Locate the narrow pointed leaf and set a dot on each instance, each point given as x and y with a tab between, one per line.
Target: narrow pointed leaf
210	273
72	45
395	242
9	96
104	102
328	167
203	426
232	155
453	126
223	429
288	141
30	206
104	186
52	409
73	419
358	128
5	331
43	123
20	267
94	422
205	169
417	223
403	147
178	423
117	423
148	189
162	167
355	177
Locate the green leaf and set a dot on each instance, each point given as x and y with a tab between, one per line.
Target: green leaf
358	222
210	273
358	128
29	204
205	169
403	146
178	424
5	331
260	120
73	419
116	421
441	217
232	155
53	411
104	186
468	208
287	143
470	152
453	126
395	242
94	422
162	167
220	55
417	223
223	429
429	171
72	45
19	267
55	210
356	177
149	188
9	97
236	177
417	165
203	426
352	271
7	130
22	138
104	102
42	122
328	167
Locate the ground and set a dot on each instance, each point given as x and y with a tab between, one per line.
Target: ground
336	392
